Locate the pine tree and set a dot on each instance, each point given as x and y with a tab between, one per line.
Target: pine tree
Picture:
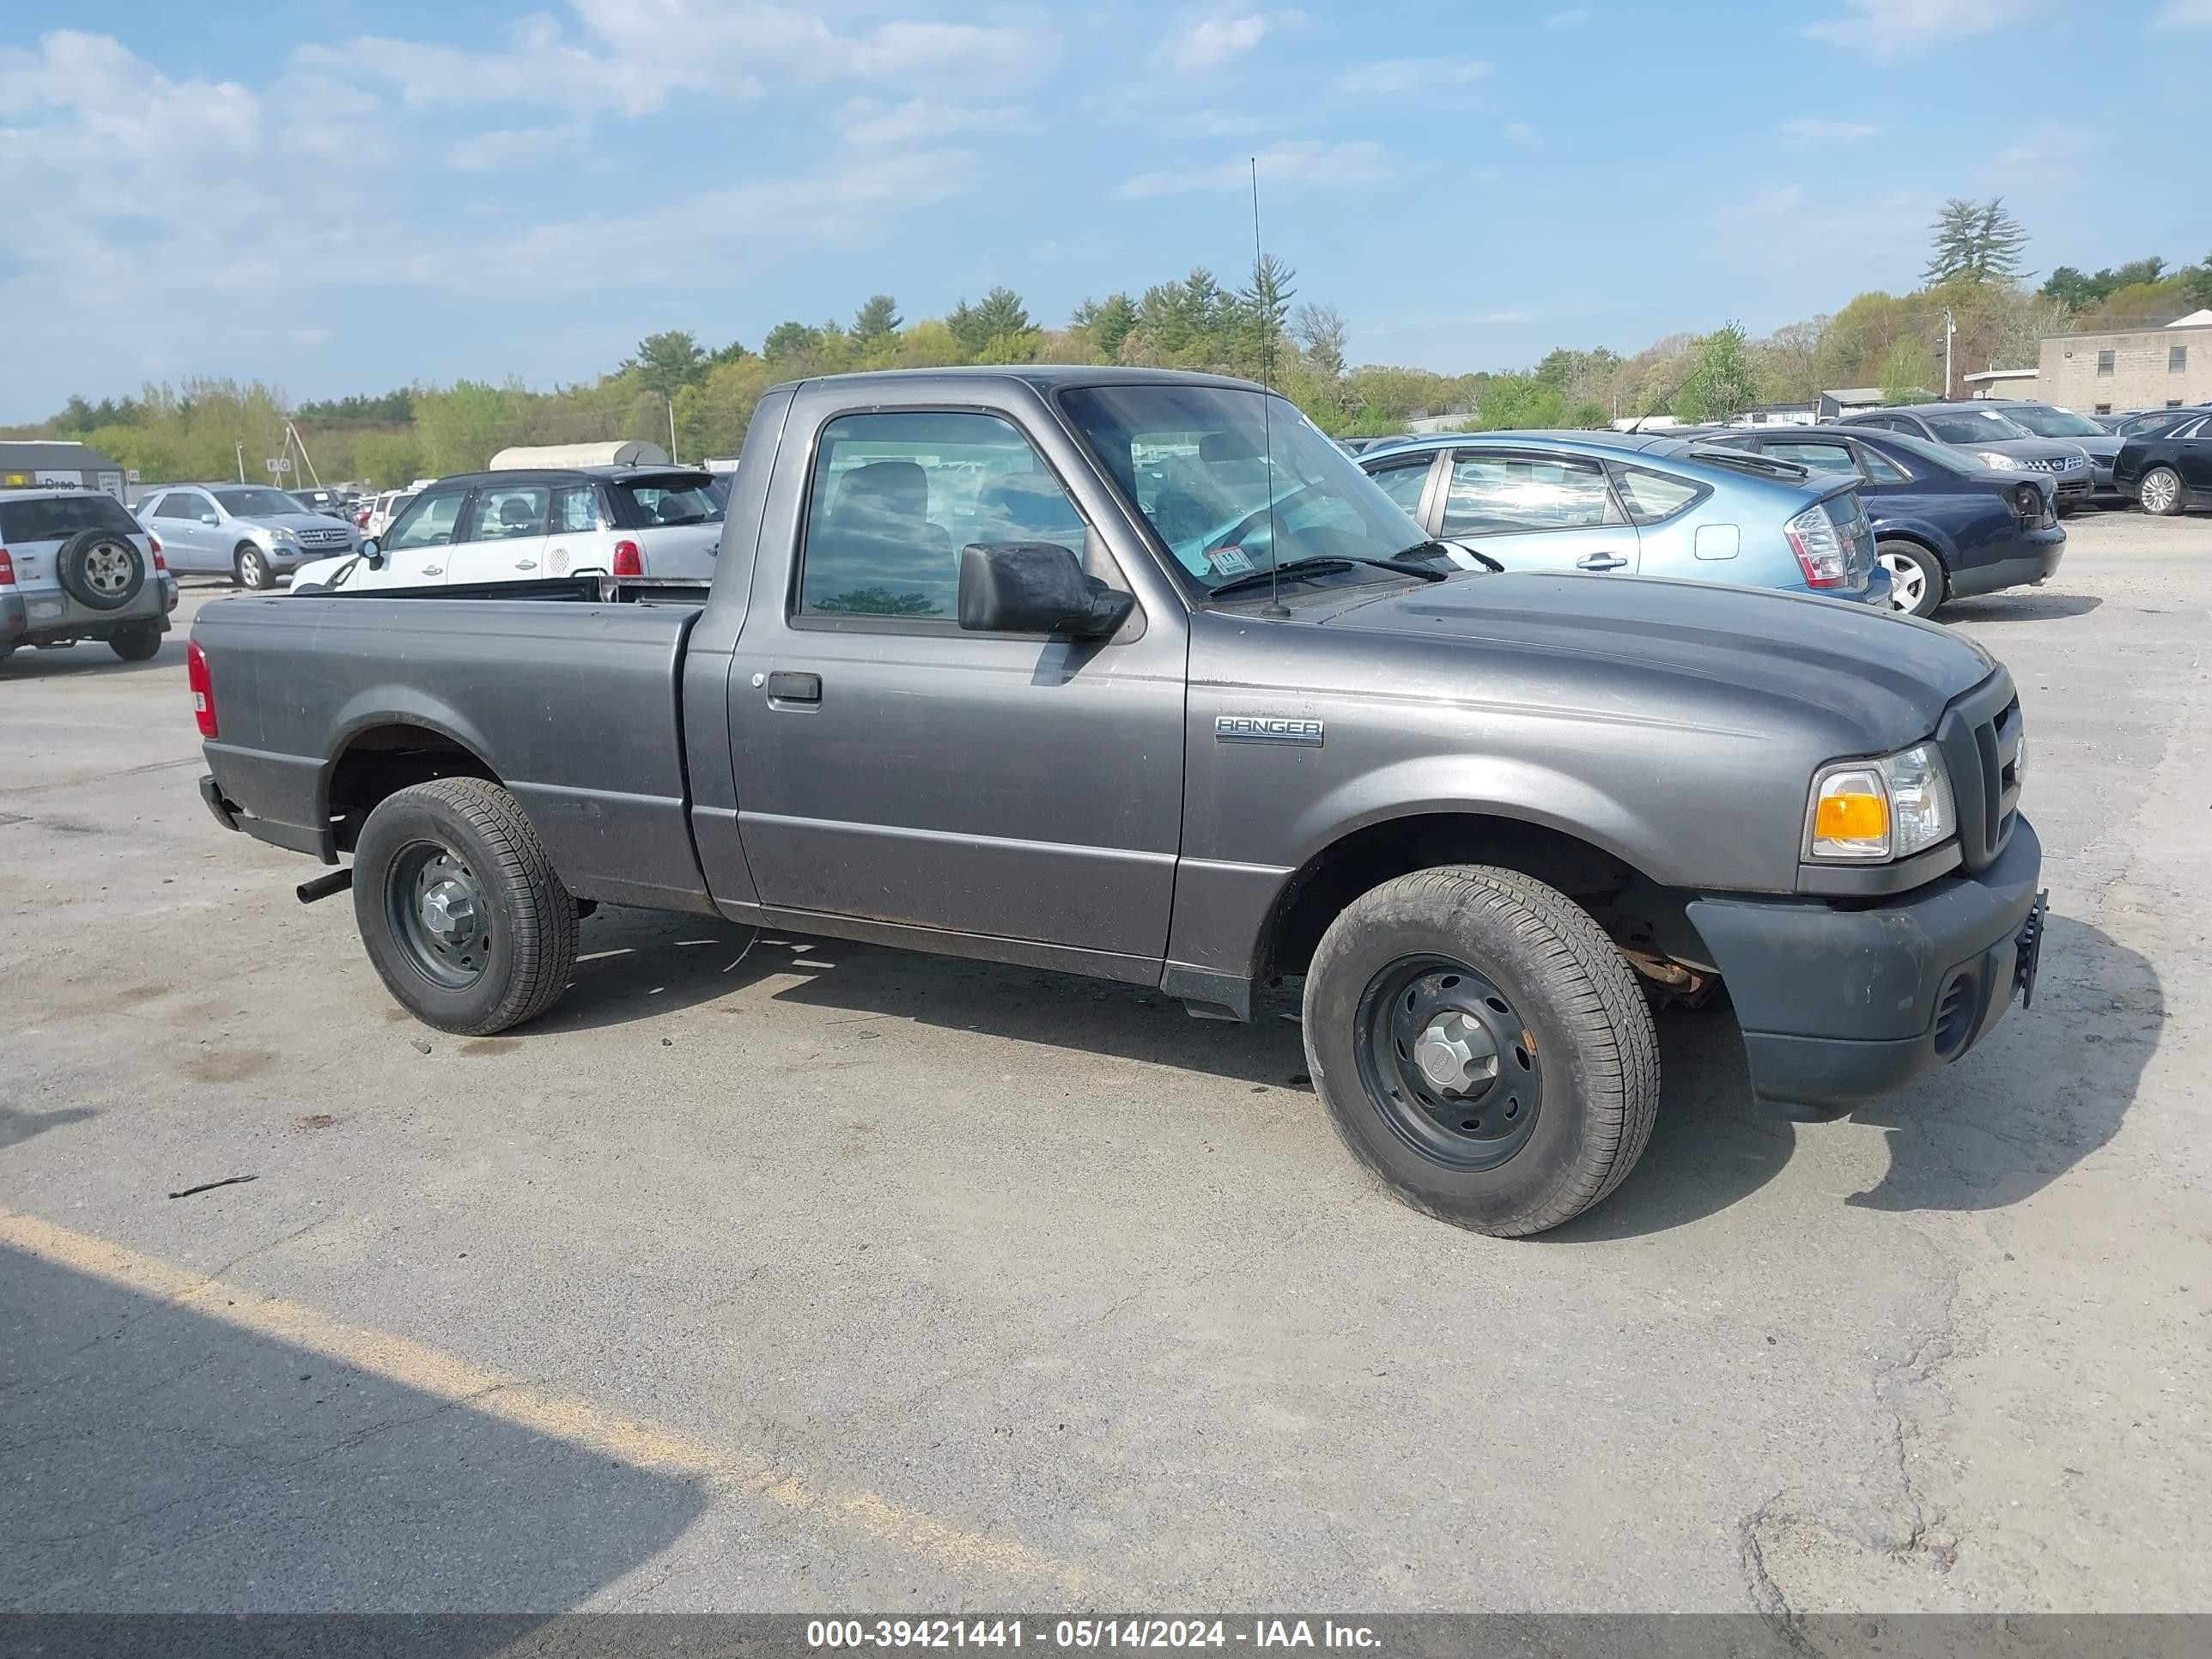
879	316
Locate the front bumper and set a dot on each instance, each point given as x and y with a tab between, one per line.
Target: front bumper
1839	1006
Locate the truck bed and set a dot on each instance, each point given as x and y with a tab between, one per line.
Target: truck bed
571	700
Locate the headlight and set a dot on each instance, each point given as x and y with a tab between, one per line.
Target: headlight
1870	812
281	534
1989	458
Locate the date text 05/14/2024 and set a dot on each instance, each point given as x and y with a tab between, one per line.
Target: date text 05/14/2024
1130	1632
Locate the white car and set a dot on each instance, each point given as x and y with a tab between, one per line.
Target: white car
518	525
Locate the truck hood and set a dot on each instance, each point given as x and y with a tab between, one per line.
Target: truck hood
1888	677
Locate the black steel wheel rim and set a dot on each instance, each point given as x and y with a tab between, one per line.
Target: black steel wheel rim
1448	1063
438	914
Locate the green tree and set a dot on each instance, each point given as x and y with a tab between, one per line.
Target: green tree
1724	381
875	320
790	339
1908	370
388	459
667	360
1262	311
1321	332
1107	322
1979	242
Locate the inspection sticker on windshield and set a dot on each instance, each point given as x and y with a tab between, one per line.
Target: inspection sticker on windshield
1229	562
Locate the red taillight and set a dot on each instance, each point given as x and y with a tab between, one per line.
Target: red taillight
627	562
154	542
7	569
195	676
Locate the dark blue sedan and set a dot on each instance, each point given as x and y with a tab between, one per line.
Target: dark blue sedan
1944	528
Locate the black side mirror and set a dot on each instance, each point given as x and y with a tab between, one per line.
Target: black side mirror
372	555
1036	587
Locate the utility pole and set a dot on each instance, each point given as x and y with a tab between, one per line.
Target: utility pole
1950	332
242	460
672	456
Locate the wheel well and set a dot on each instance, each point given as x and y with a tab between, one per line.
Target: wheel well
1367	858
382	761
1918	541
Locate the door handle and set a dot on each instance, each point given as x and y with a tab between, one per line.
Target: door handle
433	570
1601	562
788	687
526	564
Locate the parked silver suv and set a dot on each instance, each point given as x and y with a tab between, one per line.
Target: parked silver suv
251	532
74	567
1984	431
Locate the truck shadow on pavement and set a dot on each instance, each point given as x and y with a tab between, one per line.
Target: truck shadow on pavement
2020	607
2048	1087
161	1461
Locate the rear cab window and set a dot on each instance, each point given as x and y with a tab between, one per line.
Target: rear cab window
57	518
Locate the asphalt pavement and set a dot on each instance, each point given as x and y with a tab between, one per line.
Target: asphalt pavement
764	1275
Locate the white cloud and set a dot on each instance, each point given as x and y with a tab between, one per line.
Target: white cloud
1520	132
2047	151
504	151
1573	18
1393	76
1220	123
1213	41
632	56
1509	316
1819	134
2184	15
923	120
1886	28
1301	162
309	336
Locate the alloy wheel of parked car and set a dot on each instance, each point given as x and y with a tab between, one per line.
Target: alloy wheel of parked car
2160	491
1482	1046
1915	577
251	566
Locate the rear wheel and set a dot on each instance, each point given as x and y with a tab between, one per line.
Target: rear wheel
1917	581
136	644
1482	1048
2160	492
459	907
251	566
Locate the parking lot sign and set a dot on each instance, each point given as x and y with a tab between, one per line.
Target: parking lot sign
280	463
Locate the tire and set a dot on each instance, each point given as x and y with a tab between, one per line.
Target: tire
100	570
1918	582
1574	1050
468	837
249	566
2160	492
136	644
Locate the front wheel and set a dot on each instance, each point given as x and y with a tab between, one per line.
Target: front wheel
1915	577
460	909
251	566
1481	1046
2160	492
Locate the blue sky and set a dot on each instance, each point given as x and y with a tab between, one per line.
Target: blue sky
338	196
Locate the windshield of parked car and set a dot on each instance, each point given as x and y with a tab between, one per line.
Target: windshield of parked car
1233	482
2050	423
1972	426
672	502
257	503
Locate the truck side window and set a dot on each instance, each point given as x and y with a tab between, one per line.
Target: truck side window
895	497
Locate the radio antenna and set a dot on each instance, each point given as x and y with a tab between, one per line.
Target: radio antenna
1264	300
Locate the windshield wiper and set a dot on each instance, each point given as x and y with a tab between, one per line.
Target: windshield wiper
1321	567
1445	550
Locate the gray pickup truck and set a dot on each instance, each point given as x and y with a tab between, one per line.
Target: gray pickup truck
1136	675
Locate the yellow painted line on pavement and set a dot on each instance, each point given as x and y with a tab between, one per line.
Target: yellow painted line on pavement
640	1443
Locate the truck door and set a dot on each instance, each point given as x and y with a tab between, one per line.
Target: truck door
891	766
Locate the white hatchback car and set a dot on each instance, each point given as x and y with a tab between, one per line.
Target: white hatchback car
75	565
517	526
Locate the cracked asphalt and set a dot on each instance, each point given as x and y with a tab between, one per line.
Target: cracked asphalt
778	1276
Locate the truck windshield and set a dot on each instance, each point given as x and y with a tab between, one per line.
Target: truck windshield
1233	481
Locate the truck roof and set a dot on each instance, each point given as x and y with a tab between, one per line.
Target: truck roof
1045	377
